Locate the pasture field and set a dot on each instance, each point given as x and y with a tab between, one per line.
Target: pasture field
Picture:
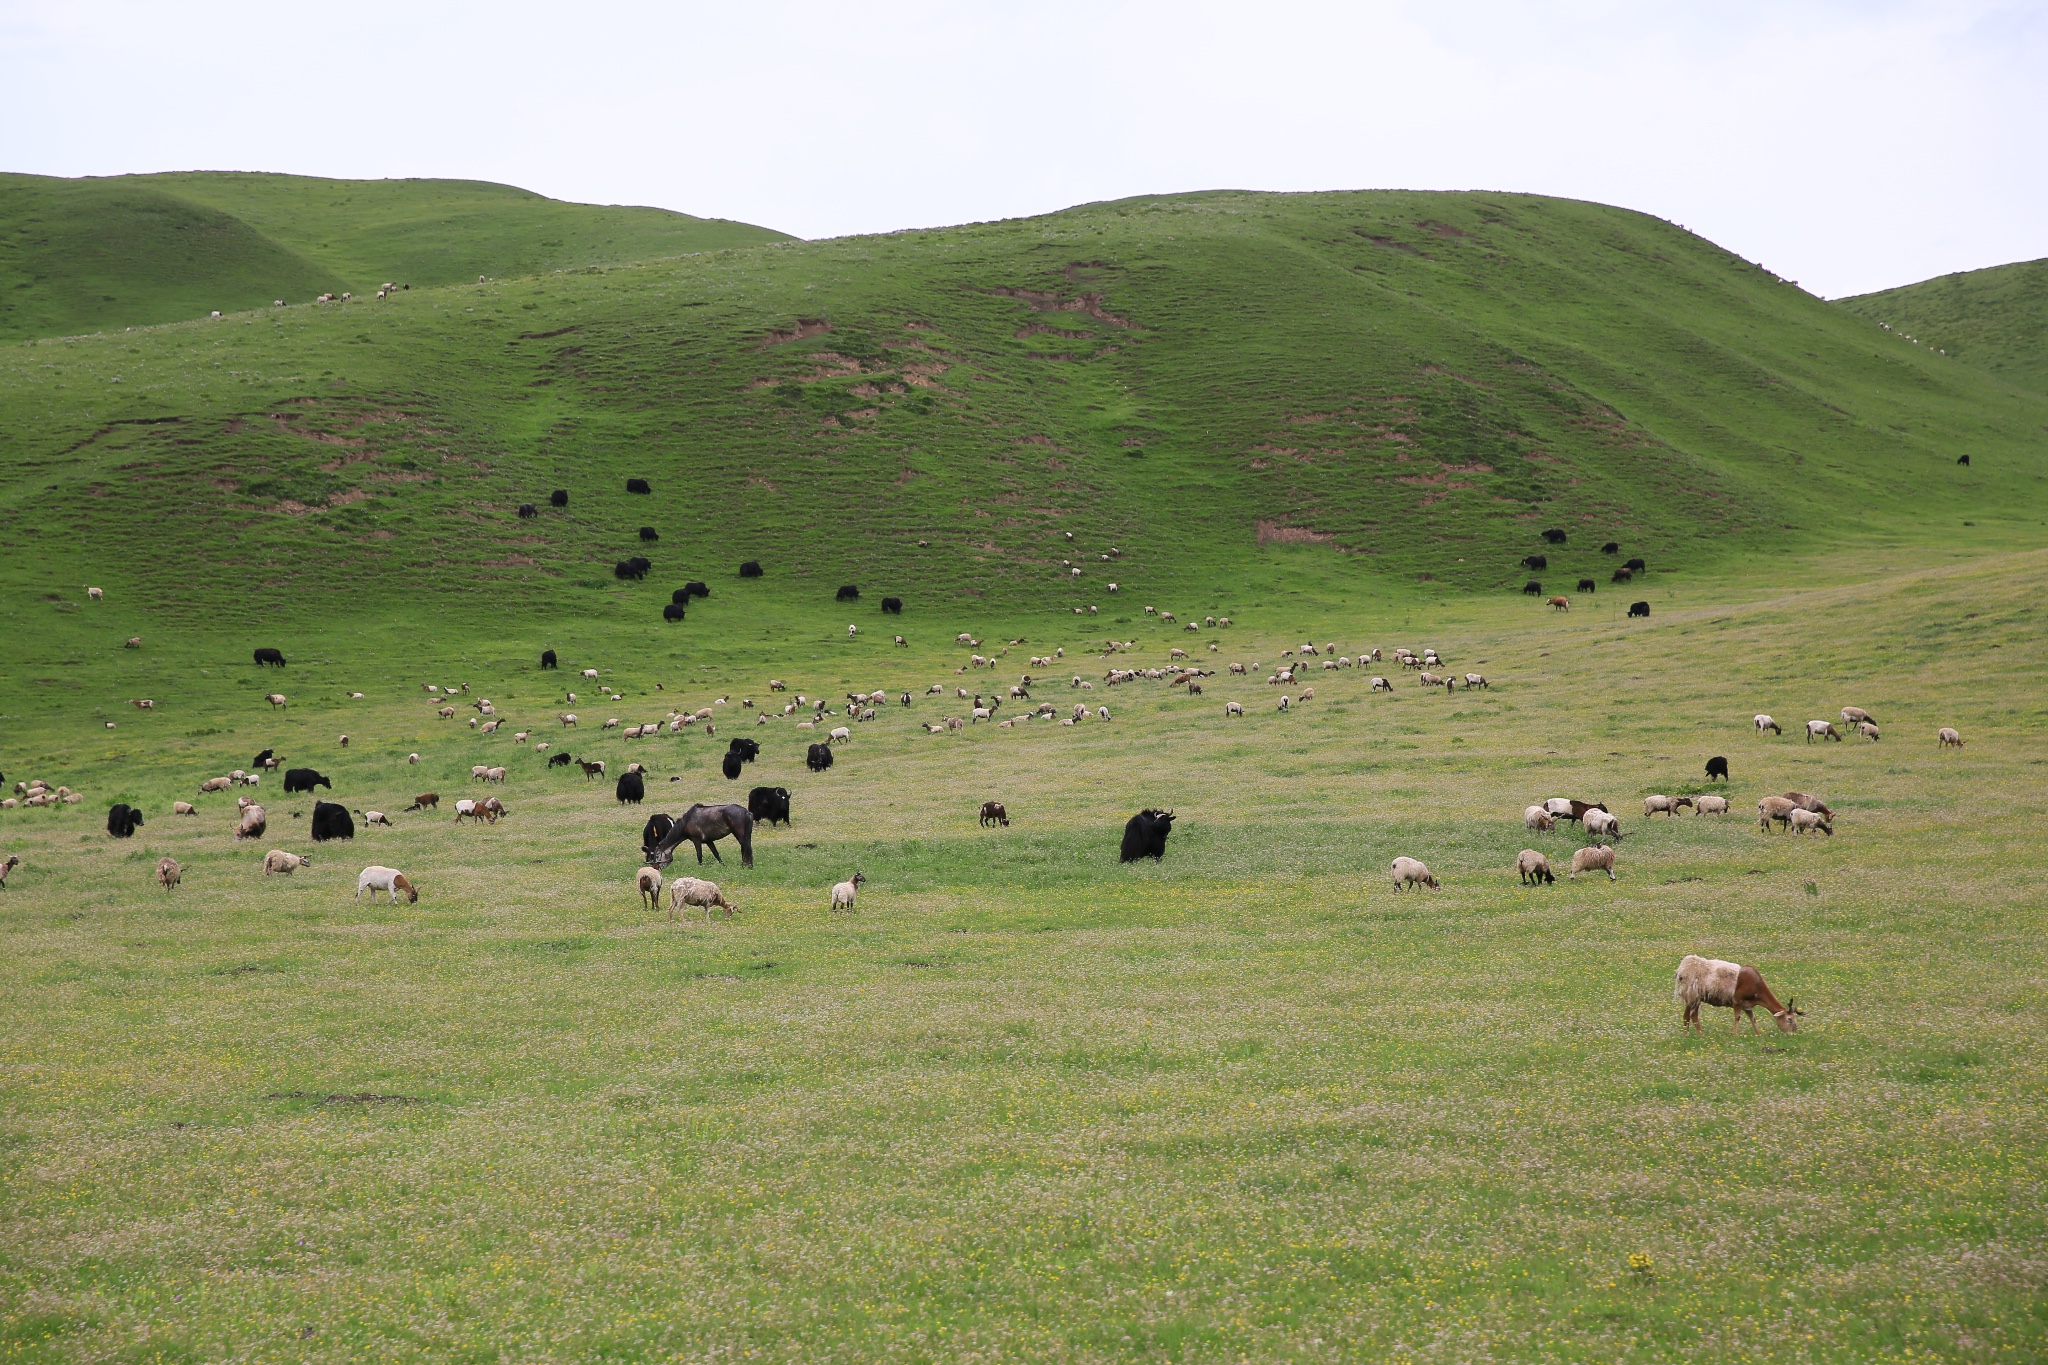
1026	1103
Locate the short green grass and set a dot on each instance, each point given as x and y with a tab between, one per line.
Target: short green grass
1995	319
1026	1103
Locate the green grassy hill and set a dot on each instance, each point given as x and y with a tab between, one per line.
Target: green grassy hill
1995	319
121	251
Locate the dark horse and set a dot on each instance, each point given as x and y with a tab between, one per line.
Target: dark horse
701	825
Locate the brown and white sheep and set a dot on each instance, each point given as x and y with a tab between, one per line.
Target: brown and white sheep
649	881
845	893
168	873
1763	723
1730	986
1413	872
1668	805
1774	808
1710	805
1537	818
1822	729
1804	820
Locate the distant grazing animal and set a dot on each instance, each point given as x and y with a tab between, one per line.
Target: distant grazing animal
688	891
1534	867
6	867
375	817
1477	680
1669	805
1621	576
1634	566
1382	685
818	757
697	588
331	821
1821	729
1536	562
592	768
1763	723
1868	729
276	699
95	594
183	808
1730	986
252	823
731	765
1537	818
993	813
1774	808
1587	585
649	882
1413	872
1710	805
1566	808
848	593
132	642
680	597
1717	766
304	780
1856	715
559	498
277	860
1611	548
894	606
262	760
389	879
839	735
631	788
1804	820
1639	609
1562	602
1594	859
1947	738
672	611
769	805
1600	825
426	801
122	820
844	894
635	568
638	486
559	760
1962	459
1555	536
527	509
467	809
1145	835
547	659
702	825
1532	588
751	569
270	656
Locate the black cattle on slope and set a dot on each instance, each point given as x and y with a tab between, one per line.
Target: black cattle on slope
1145	835
122	820
649	533
673	611
1639	609
1623	576
893	605
559	498
527	509
1533	588
1717	766
746	748
560	760
1555	536
270	656
818	758
770	804
1536	562
848	593
547	659
1635	566
697	587
1587	585
751	569
1962	459
630	788
731	765
635	568
304	780
638	486
331	821
681	596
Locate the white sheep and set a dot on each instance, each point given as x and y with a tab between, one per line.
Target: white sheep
1231	708
99	594
590	673
1948	738
1669	805
844	893
1537	818
1593	859
277	860
183	808
1284	703
1821	729
375	817
1413	872
839	735
412	758
1382	685
1534	868
1599	824
1868	729
649	882
1764	722
1477	680
375	878
1710	805
685	892
1805	820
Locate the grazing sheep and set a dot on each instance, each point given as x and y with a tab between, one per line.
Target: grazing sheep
6	867
99	594
1804	820
1413	872
1231	708
467	809
1599	824
994	813
375	879
375	817
276	699
1592	859
1534	867
1774	808
1669	805
253	823
685	892
1948	738
1382	685
1812	803
1537	818
446	713
1763	723
1477	680
1283	702
168	873
1102	713
843	894
183	808
590	673
1710	805
1856	715
277	860
1868	729
1821	729
649	881
1727	985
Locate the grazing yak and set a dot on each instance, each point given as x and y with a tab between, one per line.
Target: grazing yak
1717	766
697	587
1634	566
1612	547
559	498
1145	835
747	749
527	509
1587	585
267	655
1538	562
304	780
1639	609
638	486
122	820
1533	588
848	593
818	757
731	765
548	660
701	825
681	597
672	611
751	569
635	568
769	805
631	787
331	821
893	605
1555	536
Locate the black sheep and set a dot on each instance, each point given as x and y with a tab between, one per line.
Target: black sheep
638	486
893	605
559	498
1145	835
304	780
751	569
631	788
1533	588
1717	766
769	804
818	758
122	820
649	533
547	659
331	821
673	611
1639	609
732	765
267	655
848	593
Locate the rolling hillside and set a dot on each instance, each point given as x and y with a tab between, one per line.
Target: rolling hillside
1995	319
1226	393
121	251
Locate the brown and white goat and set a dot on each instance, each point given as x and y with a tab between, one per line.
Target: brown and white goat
1728	985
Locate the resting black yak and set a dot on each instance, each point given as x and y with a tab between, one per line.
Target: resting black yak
701	825
1145	835
331	821
770	804
631	788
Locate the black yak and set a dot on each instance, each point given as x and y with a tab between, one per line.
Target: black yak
638	486
1587	585
893	605
769	804
649	533
1145	835
559	498
751	569
1612	547
304	780
672	611
1533	588
1536	562
1555	536
818	758
631	788
331	821
267	655
731	765
527	509
747	749
848	593
1639	609
547	659
122	820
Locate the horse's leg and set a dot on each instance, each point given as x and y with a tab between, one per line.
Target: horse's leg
714	853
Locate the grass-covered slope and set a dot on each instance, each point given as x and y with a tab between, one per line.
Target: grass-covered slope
1995	319
120	251
1228	391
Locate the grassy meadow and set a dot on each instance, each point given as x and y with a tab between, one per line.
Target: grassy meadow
1026	1103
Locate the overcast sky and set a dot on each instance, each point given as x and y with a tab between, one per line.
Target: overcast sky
1850	146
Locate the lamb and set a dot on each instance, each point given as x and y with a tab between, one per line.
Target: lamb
1948	738
277	860
1231	708
1413	872
183	808
375	817
1867	729
1763	723
375	879
1856	715
688	891
1534	867
649	882
1381	685
1537	818
1804	820
6	867
168	873
1592	859
1728	985
1599	824
1669	805
1774	808
1477	680
1821	729
99	594
843	894
1710	805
